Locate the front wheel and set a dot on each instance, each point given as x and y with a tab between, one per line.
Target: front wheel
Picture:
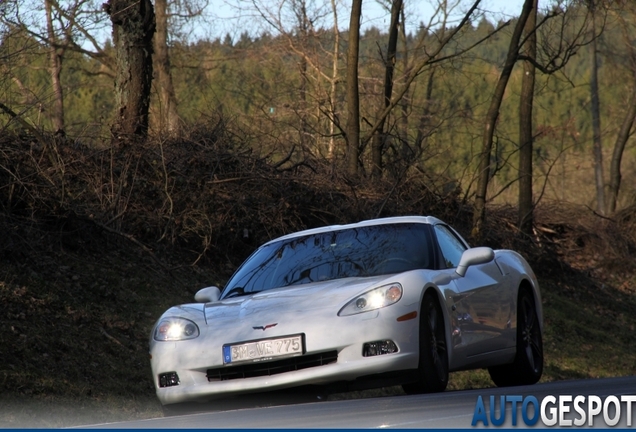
433	365
528	365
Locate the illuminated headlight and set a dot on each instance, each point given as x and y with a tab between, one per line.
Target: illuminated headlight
371	300
174	329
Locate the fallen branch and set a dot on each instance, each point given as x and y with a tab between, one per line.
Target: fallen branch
109	337
546	230
22	122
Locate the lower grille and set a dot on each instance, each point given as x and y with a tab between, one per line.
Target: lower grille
257	369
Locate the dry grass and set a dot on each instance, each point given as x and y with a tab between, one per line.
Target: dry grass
99	243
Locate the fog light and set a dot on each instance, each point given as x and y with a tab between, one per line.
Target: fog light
371	349
168	379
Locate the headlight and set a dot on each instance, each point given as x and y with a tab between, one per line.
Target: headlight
174	329
371	300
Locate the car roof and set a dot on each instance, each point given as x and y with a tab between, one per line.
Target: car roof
371	222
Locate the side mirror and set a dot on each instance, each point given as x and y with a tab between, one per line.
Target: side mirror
207	295
474	256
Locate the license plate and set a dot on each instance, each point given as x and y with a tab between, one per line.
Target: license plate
264	349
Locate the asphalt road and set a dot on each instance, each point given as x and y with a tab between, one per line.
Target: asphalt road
442	410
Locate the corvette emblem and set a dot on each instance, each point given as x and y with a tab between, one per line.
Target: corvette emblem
265	327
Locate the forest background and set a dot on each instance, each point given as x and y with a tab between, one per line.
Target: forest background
289	123
285	88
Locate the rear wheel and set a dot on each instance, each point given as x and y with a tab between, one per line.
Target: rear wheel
433	365
528	365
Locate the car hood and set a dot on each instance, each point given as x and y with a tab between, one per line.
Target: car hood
298	299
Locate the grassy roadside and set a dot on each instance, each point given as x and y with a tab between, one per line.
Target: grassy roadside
74	345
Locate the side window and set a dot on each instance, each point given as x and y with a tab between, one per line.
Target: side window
451	247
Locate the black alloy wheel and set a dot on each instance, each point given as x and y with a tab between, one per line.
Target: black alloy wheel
528	364
433	364
530	335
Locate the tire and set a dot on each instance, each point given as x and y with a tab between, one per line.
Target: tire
527	367
433	365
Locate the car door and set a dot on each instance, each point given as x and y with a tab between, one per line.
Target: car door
482	304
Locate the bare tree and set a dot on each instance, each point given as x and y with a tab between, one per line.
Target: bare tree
55	67
302	26
627	124
526	135
491	120
133	29
74	26
353	96
434	53
78	23
168	115
333	82
58	27
61	27
446	30
596	118
171	17
8	59
562	39
617	155
389	64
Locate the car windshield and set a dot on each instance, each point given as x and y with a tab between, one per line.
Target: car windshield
354	252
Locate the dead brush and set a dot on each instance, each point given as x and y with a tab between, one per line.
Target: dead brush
203	192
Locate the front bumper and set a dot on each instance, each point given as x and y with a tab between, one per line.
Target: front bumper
192	359
200	389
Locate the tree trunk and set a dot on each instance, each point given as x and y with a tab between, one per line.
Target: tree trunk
405	149
304	42
379	137
168	115
627	124
596	127
491	121
526	204
353	101
619	147
55	70
429	58
133	29
423	127
334	83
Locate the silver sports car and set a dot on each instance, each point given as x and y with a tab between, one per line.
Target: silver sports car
401	300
